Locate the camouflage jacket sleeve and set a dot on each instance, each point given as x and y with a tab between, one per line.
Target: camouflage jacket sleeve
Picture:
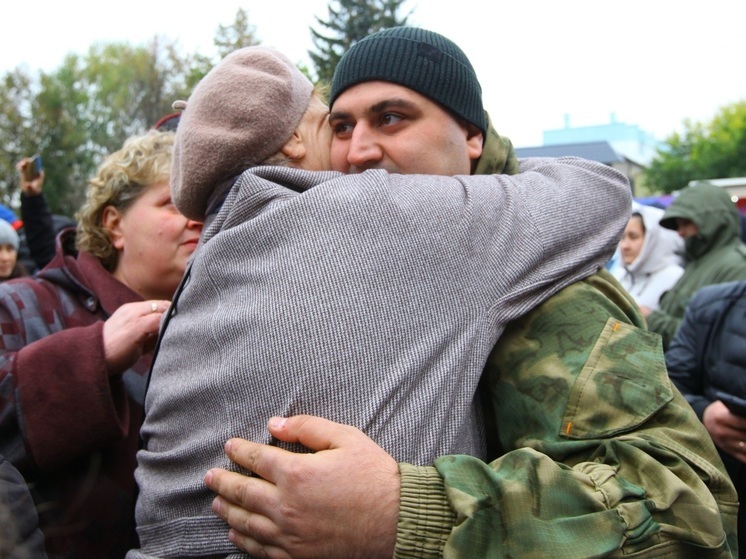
600	455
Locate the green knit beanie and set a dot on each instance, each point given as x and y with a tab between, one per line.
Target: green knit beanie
421	60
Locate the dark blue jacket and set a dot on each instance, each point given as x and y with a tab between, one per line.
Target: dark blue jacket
707	356
707	361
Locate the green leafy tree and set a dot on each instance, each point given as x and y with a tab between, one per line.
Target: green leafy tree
703	151
349	21
77	114
16	129
83	111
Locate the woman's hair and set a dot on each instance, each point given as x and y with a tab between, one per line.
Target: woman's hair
122	177
642	221
321	92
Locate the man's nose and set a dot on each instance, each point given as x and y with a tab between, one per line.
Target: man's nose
364	148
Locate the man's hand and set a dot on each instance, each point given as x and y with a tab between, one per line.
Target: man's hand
342	501
727	430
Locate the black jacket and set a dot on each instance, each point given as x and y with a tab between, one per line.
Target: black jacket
707	356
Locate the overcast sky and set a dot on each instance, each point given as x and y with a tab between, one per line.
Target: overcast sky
652	63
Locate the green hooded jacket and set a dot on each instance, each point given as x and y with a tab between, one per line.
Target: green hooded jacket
715	255
596	454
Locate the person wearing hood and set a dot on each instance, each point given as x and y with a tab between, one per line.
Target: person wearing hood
649	257
9	241
707	219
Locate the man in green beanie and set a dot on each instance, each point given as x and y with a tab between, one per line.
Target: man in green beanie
594	454
708	221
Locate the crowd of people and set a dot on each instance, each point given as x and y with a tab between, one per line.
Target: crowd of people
291	326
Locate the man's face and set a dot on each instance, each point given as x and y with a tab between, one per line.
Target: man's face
381	125
686	228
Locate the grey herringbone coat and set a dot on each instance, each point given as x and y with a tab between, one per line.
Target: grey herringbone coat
369	299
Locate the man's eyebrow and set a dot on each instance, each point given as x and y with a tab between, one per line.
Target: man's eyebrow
395	103
381	106
339	115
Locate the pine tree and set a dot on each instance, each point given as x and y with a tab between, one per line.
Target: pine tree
237	35
349	21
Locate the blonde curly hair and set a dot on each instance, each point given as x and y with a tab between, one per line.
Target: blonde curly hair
123	176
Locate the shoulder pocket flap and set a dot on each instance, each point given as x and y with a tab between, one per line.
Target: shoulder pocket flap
623	383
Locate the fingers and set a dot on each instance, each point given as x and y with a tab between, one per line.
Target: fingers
253	524
141	317
268	462
247	504
314	432
155	306
145	328
130	331
255	548
237	488
248	528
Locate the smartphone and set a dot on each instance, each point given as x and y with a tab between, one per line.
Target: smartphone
33	169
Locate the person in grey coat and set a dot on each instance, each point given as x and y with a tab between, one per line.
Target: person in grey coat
371	299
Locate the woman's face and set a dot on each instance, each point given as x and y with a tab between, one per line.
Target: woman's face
154	242
8	257
317	136
631	243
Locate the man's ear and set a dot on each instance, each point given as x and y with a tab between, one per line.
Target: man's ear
111	220
474	141
294	149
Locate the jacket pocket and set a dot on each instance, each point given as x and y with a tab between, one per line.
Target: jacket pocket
623	383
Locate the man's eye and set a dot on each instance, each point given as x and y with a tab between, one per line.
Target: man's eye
389	119
341	129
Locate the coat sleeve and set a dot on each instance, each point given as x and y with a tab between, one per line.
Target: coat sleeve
39	227
520	238
577	209
58	401
600	455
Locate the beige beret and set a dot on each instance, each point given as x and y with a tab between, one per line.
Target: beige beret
243	111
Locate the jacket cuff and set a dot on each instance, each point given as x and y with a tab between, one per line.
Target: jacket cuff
425	517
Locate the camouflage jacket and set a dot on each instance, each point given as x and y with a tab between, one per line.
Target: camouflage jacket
596	453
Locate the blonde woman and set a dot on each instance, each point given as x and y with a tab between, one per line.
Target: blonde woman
76	345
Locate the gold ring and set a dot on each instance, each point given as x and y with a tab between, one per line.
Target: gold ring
154	308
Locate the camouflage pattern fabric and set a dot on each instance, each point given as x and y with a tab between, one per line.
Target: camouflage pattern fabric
596	453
